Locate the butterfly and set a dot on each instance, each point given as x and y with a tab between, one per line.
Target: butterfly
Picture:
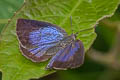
40	41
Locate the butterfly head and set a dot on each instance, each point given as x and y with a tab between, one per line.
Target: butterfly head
73	36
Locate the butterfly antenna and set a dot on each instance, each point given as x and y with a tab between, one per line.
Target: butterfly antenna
80	30
71	23
84	30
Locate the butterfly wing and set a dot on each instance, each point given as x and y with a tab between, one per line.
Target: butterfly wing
30	28
36	37
32	57
71	56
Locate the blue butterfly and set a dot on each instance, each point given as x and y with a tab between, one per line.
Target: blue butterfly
40	41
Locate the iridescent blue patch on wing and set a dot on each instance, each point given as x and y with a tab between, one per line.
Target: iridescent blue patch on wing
43	39
45	35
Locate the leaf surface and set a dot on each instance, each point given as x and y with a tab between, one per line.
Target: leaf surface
7	10
85	14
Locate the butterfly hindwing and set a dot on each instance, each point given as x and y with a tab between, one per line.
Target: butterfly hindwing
71	56
36	37
32	57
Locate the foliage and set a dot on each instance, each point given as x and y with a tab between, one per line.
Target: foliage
85	14
7	9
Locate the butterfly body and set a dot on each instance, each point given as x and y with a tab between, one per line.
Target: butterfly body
40	41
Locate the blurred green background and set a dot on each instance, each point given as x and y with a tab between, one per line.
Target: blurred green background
102	61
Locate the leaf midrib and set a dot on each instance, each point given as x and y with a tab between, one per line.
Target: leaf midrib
73	9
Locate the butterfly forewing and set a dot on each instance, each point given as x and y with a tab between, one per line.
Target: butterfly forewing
36	37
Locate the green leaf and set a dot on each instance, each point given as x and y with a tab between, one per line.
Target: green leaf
7	9
84	14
